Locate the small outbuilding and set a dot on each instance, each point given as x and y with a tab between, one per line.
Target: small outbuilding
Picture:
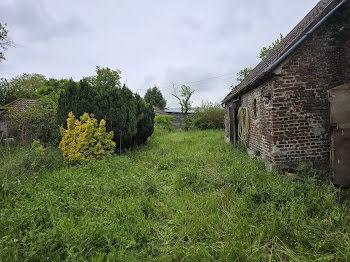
18	105
293	108
176	113
178	116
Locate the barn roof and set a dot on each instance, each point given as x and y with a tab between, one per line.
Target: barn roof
319	12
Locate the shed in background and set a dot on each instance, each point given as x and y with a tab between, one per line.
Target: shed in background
20	104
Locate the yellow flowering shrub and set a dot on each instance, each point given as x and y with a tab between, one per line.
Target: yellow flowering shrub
85	140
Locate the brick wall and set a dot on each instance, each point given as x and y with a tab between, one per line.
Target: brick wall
260	115
260	133
300	100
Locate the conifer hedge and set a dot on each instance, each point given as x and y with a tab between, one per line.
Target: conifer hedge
129	117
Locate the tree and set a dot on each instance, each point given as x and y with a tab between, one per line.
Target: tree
241	75
52	88
4	91
37	122
126	114
104	78
22	86
5	42
154	97
145	120
267	49
27	85
67	102
184	100
30	86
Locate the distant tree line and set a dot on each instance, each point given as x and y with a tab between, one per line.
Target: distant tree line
30	86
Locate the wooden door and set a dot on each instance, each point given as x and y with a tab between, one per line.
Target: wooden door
339	99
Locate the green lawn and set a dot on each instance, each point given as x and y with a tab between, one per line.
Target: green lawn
185	196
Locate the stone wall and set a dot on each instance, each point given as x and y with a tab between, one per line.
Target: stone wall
178	119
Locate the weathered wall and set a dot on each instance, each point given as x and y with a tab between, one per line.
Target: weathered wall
346	47
178	119
260	132
227	122
3	127
300	100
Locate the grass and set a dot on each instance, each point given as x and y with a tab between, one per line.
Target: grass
185	196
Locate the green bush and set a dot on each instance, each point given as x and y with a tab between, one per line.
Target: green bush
126	114
164	123
37	122
85	140
145	120
209	116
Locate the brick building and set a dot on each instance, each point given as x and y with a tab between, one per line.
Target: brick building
287	93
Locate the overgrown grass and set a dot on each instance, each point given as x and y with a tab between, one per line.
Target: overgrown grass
186	196
18	164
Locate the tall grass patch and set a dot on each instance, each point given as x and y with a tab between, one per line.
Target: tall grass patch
185	196
21	164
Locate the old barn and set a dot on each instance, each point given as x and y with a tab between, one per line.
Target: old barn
296	102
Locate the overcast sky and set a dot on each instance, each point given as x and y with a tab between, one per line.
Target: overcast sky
154	42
